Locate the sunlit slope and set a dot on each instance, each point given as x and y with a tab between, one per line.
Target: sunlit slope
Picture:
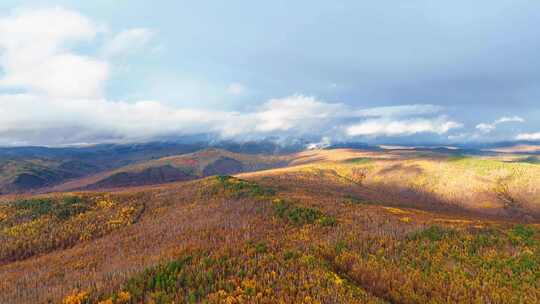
426	180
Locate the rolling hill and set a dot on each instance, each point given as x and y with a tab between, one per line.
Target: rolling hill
183	167
23	175
492	185
320	226
38	169
29	169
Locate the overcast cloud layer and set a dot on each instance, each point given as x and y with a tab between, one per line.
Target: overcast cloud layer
421	72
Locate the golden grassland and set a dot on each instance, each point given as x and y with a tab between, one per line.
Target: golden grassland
346	228
432	181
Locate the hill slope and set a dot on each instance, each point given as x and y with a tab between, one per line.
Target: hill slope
184	167
224	239
28	169
490	186
336	226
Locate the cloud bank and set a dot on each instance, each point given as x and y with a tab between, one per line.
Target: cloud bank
489	127
53	93
528	136
387	127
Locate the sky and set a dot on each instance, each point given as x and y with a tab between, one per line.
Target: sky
83	72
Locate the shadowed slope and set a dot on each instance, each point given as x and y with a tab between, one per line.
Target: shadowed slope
180	168
32	169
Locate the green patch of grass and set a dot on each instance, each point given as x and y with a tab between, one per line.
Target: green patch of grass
522	235
481	166
162	281
290	254
457	157
239	187
359	160
487	238
301	215
62	209
70	206
327	221
34	207
259	247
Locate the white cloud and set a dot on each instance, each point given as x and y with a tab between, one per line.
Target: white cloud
58	121
128	41
400	111
490	127
402	121
32	119
528	136
509	119
63	99
35	54
45	31
486	128
388	127
236	88
323	143
62	75
297	111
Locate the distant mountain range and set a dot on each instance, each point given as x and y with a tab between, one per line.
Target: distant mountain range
24	169
31	169
182	167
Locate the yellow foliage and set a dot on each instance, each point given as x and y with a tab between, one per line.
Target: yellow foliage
396	210
28	229
405	219
123	218
123	297
76	298
248	284
337	279
453	221
105	203
527	251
